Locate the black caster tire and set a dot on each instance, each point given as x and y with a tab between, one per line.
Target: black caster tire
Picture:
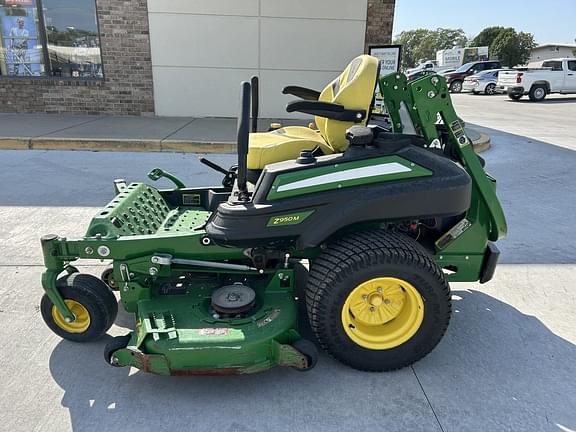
91	301
377	301
115	344
107	277
514	96
309	350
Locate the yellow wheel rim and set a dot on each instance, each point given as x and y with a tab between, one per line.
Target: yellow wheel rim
382	313
79	325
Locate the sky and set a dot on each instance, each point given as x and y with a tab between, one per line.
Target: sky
551	21
80	14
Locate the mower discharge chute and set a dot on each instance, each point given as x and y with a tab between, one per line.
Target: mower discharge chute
361	225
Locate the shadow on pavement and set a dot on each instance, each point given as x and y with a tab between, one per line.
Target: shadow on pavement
499	366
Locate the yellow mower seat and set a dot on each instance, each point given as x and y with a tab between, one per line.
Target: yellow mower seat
283	144
353	89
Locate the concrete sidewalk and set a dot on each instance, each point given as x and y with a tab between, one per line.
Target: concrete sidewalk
149	134
114	133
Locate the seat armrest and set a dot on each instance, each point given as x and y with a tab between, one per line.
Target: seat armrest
327	110
301	92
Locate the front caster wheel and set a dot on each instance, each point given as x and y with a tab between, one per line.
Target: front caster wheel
377	301
117	343
92	303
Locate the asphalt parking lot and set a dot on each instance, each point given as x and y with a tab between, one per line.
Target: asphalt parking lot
507	363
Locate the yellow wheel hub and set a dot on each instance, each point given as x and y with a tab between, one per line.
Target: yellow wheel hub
79	325
382	313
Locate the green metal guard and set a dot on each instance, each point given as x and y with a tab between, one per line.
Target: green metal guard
416	107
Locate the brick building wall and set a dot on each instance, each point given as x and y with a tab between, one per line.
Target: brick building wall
127	85
379	22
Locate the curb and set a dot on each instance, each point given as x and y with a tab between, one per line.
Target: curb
141	145
121	145
482	144
132	145
14	143
182	146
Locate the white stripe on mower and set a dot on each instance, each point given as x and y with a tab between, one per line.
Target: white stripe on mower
352	174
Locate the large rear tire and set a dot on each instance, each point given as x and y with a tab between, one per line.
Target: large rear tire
377	301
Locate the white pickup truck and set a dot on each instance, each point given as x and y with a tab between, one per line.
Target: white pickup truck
555	76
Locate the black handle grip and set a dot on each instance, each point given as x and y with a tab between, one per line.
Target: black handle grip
254	83
243	137
302	92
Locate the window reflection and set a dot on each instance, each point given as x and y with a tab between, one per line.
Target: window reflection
72	38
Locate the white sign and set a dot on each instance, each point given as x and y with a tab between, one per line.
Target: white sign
389	56
456	57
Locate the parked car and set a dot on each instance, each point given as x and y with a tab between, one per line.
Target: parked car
555	76
444	71
429	65
456	79
483	82
419	74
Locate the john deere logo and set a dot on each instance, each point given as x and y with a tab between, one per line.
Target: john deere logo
289	219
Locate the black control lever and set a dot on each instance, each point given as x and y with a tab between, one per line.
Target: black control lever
214	166
229	175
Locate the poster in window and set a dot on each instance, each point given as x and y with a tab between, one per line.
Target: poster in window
20	50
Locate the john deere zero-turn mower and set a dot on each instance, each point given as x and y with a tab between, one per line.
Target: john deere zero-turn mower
215	276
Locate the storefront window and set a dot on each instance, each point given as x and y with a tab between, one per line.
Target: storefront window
63	41
72	38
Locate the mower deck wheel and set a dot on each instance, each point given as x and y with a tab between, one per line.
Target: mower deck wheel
309	350
115	344
92	303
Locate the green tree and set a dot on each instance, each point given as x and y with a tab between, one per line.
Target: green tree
487	36
513	48
411	42
422	44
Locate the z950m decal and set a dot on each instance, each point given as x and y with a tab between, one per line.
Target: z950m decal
289	219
